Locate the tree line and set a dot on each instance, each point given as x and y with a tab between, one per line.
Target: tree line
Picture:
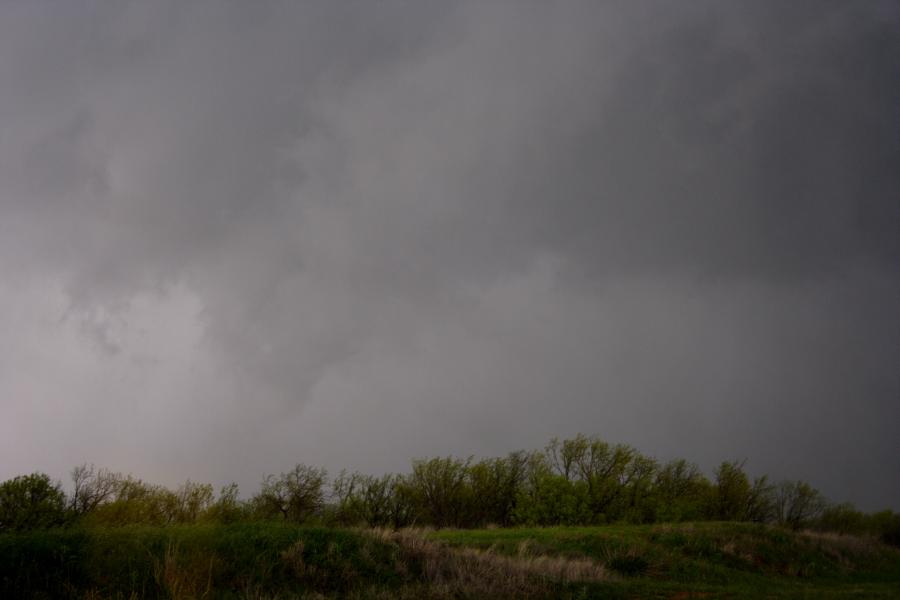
578	481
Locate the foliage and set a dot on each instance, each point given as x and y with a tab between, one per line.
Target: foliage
551	499
845	519
438	488
284	560
682	493
736	499
578	481
228	507
798	503
295	496
705	559
238	560
31	502
495	483
124	537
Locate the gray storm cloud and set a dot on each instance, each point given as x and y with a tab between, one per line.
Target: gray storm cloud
236	237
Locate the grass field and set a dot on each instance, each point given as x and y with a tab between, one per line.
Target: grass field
707	559
276	560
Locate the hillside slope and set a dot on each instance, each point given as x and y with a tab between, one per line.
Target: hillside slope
276	560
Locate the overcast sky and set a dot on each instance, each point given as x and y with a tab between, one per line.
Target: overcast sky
235	236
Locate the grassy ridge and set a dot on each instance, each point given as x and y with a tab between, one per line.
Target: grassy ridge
279	560
722	559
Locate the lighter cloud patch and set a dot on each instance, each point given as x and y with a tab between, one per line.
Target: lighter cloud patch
125	376
151	327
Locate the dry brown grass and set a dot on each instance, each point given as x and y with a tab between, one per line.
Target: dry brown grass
95	595
177	580
847	549
453	572
857	543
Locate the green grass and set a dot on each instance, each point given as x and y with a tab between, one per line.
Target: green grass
278	560
707	559
242	560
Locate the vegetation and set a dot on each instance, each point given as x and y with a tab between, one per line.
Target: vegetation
710	559
279	559
580	518
31	502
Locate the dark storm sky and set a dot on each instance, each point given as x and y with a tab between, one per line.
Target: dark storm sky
235	236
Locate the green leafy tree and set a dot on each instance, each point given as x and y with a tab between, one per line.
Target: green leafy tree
797	504
365	499
680	492
618	478
495	484
135	502
735	498
551	499
761	502
190	502
548	497
842	518
31	502
565	456
886	525
228	507
296	495
637	504
402	507
441	491
731	493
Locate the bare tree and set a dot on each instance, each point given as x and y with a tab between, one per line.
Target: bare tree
93	487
